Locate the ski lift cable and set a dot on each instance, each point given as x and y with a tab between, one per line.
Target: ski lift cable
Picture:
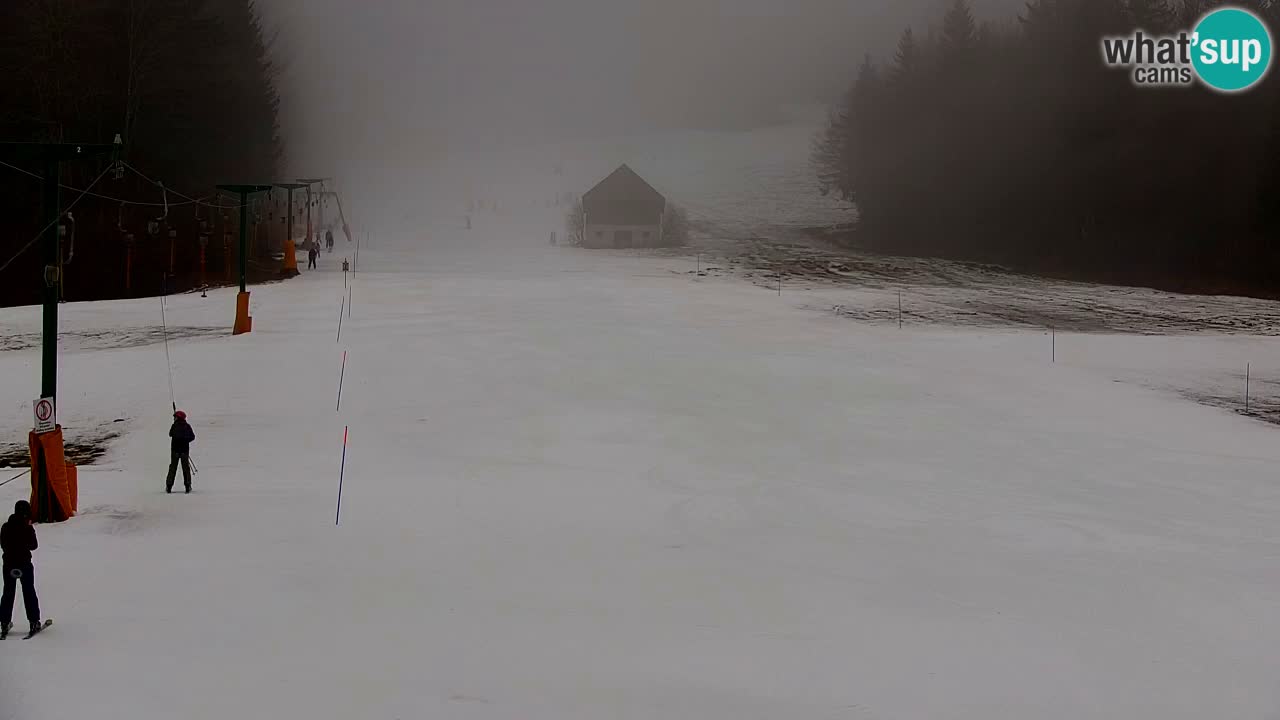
164	324
86	192
166	189
15	477
45	229
187	200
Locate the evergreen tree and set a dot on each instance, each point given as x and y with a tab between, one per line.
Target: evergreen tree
1017	145
830	149
860	161
906	61
959	32
190	87
1040	18
1151	16
840	153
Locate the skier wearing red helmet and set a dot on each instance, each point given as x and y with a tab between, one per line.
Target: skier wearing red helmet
181	436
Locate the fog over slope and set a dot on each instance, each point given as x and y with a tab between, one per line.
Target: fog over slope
379	90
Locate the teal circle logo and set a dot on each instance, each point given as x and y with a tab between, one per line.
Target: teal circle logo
1231	49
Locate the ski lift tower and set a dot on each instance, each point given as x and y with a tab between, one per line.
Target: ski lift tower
244	323
51	478
309	182
290	253
52	155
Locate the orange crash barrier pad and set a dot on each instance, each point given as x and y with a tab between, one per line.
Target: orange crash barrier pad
73	487
290	258
52	493
244	323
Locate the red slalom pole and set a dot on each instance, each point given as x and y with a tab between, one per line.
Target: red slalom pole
342	469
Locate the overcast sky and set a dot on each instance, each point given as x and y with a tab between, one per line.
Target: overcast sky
395	81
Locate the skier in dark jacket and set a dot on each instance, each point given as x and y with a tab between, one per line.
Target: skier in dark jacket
328	239
312	253
181	436
18	539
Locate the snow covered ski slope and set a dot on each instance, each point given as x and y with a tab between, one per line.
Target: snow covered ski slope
590	486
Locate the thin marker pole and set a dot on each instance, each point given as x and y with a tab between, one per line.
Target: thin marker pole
341	309
899	309
341	375
1053	344
342	470
1246	388
350	291
164	326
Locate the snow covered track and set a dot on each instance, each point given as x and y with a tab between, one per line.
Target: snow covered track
621	493
948	293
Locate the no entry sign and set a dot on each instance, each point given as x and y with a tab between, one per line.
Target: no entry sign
44	415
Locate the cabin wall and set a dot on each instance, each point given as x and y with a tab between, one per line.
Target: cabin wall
614	236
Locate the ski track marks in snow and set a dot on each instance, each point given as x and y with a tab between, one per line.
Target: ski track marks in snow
109	339
957	294
114	520
83	446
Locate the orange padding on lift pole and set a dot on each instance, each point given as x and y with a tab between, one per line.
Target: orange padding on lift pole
290	258
73	487
244	323
53	493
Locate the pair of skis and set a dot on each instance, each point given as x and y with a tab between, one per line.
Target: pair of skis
34	631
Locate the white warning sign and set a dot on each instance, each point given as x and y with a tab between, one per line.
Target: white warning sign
44	415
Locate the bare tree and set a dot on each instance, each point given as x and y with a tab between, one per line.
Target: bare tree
575	224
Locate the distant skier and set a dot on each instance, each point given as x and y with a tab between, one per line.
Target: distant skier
328	239
312	254
181	436
18	539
